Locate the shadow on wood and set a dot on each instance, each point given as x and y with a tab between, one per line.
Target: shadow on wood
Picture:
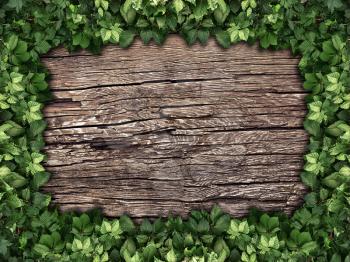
152	131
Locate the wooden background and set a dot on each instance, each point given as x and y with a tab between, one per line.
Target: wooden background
152	131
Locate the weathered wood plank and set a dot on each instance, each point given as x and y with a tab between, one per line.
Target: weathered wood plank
161	130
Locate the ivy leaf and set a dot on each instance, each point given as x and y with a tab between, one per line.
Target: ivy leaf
4	171
126	224
338	43
105	34
200	10
215	213
203	36
14	201
37	127
212	4
126	38
4	244
336	258
149	252
146	227
334	4
12	42
17	181
41	249
128	12
312	127
223	39
20	53
334	205
221	248
203	226
222	224
345	171
221	12
81	39
309	179
16	4
268	39
40	179
178	5
332	180
171	256
146	36
41	200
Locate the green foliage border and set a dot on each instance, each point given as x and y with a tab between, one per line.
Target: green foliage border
318	31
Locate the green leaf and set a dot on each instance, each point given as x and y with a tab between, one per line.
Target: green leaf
222	224
215	213
309	179
20	53
76	39
77	245
200	10
149	252
221	12
191	36
17	180
42	47
268	39
41	200
338	43
16	77
16	4
336	258
223	39
334	205
221	248
41	249
12	42
128	12
106	227
146	226
4	244
243	34
126	224
37	127
203	36
128	248
37	157
203	226
212	4
105	34
243	227
312	127
171	256
332	181
126	38
85	41
4	171
333	4
146	36
333	77
14	201
345	171
178	5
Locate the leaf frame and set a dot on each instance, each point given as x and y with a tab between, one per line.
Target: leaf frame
31	230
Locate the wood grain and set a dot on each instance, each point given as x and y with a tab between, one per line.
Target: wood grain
152	131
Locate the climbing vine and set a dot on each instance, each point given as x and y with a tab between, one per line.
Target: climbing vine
316	30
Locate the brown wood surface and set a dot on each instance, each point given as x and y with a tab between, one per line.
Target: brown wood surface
152	131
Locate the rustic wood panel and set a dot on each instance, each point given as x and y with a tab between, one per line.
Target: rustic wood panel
152	130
